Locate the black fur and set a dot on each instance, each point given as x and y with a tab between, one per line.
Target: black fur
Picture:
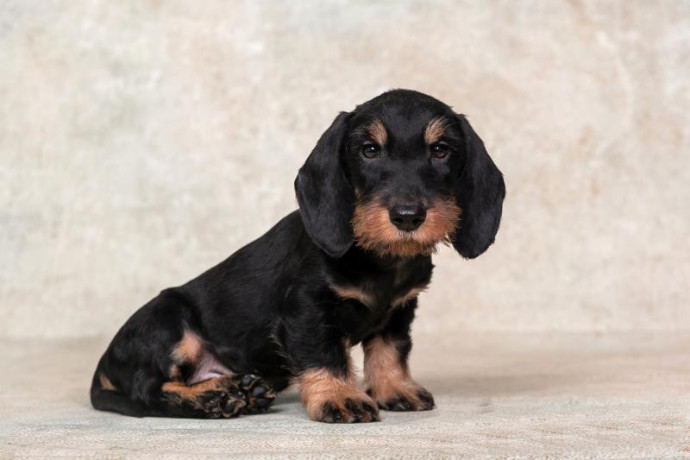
324	194
480	195
269	309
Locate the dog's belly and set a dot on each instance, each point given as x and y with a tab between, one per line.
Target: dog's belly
254	353
208	367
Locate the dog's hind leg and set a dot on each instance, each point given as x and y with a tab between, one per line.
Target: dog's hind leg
224	396
220	397
159	367
200	385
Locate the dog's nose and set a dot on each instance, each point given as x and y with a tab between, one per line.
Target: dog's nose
407	217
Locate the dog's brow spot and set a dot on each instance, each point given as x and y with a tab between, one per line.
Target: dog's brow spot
434	131
377	132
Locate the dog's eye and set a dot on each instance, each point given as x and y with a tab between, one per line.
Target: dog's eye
371	151
438	150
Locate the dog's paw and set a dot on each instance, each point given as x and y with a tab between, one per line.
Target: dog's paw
355	409
404	398
258	395
336	399
221	397
221	404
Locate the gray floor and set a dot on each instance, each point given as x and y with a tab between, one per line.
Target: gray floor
568	395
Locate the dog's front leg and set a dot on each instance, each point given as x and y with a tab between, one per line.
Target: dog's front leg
386	370
333	396
320	357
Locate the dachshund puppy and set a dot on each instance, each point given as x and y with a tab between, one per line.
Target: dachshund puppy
383	187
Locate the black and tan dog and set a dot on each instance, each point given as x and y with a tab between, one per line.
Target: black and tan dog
383	187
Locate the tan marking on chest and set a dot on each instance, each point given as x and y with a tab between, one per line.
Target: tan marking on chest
353	292
409	295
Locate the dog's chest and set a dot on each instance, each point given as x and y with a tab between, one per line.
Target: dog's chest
378	297
369	301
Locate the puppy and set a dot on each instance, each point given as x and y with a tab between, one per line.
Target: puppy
384	186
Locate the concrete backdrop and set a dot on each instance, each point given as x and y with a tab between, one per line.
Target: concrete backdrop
142	142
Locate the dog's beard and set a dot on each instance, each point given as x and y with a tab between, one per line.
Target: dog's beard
374	231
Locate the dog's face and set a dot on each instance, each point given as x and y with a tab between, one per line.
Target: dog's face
397	176
402	156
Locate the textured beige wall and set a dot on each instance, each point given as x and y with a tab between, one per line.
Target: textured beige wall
143	141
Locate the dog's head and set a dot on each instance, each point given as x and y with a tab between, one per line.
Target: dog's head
397	176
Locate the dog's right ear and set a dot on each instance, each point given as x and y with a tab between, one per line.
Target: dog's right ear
326	199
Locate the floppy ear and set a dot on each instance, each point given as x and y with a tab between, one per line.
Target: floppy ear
325	197
479	194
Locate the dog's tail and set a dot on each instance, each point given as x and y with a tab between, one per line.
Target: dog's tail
104	396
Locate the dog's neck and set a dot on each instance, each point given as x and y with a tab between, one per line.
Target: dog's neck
370	260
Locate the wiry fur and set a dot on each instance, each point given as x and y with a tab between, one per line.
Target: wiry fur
338	272
374	231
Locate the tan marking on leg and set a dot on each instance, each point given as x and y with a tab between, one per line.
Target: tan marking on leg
377	132
319	387
353	292
192	391
188	349
174	373
106	384
384	375
409	295
434	131
217	397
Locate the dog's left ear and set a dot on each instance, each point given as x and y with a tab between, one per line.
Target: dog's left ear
479	194
326	200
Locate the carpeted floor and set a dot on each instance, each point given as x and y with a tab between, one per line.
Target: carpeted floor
498	395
